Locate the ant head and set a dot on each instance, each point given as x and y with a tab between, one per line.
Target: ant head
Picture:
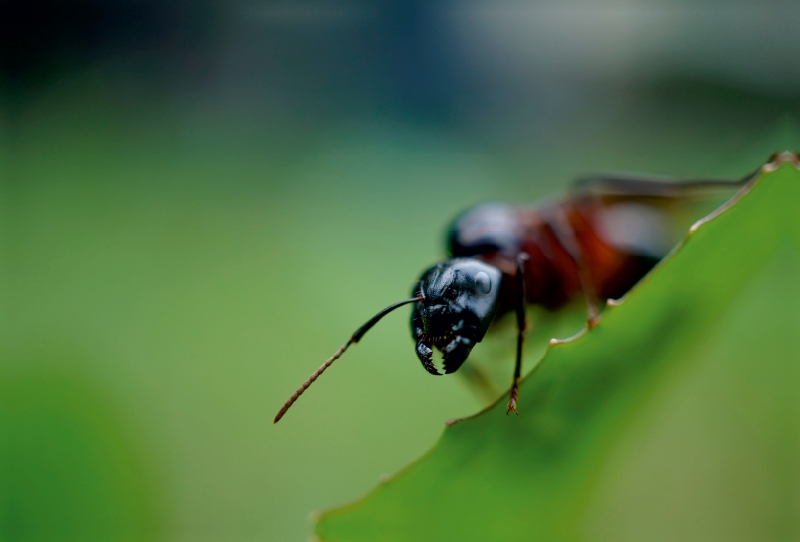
459	300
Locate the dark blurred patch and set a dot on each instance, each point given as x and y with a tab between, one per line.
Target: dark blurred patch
70	468
423	65
393	57
314	59
41	40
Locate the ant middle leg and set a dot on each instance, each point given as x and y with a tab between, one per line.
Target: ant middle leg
478	382
560	226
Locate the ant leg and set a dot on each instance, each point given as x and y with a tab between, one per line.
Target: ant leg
521	326
478	382
564	232
592	311
640	186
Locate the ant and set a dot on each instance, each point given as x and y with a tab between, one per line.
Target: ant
596	242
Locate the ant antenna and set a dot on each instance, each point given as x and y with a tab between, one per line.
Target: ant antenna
353	339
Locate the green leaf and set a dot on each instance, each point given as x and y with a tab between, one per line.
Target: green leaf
676	418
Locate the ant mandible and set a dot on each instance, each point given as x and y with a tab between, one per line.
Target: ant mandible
597	242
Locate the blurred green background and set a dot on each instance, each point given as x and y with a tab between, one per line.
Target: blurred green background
200	202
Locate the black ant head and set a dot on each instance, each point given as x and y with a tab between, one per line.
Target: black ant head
459	300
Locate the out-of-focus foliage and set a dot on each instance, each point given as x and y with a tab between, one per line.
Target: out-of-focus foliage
677	418
69	468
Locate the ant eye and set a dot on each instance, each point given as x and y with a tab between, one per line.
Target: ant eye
450	294
483	283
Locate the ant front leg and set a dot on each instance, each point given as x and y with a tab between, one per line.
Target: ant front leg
521	327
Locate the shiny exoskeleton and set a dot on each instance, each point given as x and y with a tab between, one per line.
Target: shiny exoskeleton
596	242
